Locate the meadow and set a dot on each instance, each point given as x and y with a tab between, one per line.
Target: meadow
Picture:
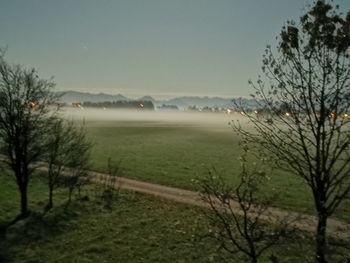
136	228
179	148
162	148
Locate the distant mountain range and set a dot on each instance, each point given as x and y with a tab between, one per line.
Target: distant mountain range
181	102
76	96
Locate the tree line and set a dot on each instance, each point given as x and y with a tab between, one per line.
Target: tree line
124	104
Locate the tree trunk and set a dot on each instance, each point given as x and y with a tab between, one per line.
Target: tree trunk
24	199
253	255
70	191
321	244
50	204
51	185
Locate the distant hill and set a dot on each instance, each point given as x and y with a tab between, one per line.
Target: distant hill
148	98
185	102
182	102
248	103
199	101
76	96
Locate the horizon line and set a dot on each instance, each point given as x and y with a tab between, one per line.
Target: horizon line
157	96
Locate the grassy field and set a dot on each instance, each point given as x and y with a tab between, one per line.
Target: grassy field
174	149
138	228
141	228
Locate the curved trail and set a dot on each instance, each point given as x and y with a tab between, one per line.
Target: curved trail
335	228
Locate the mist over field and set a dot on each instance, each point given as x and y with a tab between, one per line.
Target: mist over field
213	121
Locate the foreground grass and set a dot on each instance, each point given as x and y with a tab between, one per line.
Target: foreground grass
138	228
135	231
173	153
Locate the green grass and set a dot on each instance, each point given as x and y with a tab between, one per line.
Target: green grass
173	153
139	228
169	155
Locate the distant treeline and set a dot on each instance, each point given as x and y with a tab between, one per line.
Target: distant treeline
168	107
127	104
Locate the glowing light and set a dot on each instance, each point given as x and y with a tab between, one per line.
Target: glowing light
141	105
256	112
287	114
331	115
228	111
242	113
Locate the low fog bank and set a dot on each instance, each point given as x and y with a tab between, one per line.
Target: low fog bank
162	117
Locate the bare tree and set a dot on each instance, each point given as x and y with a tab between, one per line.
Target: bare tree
78	160
59	144
25	101
309	74
238	214
108	187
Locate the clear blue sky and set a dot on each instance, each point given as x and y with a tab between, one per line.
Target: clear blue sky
146	47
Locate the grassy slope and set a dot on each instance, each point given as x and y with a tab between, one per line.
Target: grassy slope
139	228
173	154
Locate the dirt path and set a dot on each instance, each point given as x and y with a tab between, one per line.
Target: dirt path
336	228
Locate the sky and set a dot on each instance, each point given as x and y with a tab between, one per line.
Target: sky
163	48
